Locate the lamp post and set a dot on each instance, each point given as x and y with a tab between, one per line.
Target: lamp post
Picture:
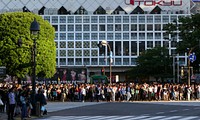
105	43
34	31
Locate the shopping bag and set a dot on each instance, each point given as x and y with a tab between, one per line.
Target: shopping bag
42	108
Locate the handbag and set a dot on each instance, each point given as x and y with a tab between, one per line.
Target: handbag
1	102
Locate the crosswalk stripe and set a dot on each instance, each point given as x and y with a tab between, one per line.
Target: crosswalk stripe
172	118
138	117
121	118
189	118
155	118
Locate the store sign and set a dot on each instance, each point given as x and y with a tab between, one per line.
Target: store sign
154	2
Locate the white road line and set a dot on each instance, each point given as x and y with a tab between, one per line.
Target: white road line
160	113
173	111
139	118
185	109
172	118
155	118
121	118
189	118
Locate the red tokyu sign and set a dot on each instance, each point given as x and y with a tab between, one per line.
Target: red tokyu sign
154	2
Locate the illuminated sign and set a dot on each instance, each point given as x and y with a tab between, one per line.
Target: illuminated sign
154	2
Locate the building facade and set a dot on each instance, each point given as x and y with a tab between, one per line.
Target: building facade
129	27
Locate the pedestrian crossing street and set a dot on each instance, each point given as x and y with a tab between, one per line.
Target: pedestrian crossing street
121	118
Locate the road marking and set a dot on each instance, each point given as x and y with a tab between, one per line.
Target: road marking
121	118
172	118
173	111
185	109
189	118
154	118
160	113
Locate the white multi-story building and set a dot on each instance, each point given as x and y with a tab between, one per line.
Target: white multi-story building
129	27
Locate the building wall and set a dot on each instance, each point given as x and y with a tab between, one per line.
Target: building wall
129	30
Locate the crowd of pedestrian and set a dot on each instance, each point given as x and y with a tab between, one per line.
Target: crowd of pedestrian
17	99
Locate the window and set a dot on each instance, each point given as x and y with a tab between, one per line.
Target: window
110	36
102	19
78	36
149	27
86	19
157	43
157	19
125	48
133	36
125	36
70	19
70	27
110	19
102	36
70	36
157	35
94	36
133	27
62	19
86	27
109	27
102	28
149	19
54	19
141	19
86	36
150	44
118	48
78	27
125	19
117	19
126	27
94	28
149	35
141	35
166	19
62	36
141	27
62	27
133	19
157	27
117	27
94	19
118	36
78	19
55	27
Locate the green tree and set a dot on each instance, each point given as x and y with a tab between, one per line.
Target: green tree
154	62
18	60
189	32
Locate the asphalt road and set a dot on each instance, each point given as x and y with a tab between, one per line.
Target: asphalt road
129	109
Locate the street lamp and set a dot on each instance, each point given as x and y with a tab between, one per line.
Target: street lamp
34	30
105	43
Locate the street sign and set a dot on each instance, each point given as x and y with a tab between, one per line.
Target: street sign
192	57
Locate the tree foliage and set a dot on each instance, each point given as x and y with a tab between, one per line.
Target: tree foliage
154	62
18	60
189	33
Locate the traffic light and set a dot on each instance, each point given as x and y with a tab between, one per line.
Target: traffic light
102	71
